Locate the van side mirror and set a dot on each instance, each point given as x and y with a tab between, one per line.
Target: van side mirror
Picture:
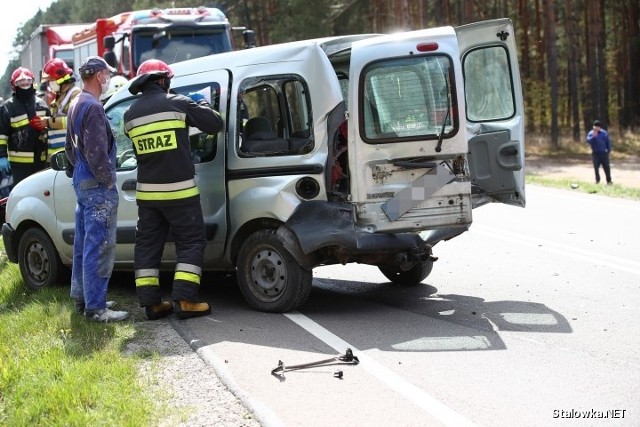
249	37
59	161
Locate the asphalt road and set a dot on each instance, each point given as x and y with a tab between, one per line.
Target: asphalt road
528	319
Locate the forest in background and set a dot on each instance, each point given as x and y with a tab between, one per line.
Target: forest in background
579	59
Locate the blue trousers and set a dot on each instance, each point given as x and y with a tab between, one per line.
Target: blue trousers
94	243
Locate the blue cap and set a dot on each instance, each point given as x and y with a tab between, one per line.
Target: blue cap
93	64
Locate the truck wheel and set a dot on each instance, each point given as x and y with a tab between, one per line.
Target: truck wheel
269	277
38	259
410	277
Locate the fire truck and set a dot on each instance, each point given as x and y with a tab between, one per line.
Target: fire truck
48	42
171	35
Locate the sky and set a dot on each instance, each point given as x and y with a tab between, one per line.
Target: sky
14	16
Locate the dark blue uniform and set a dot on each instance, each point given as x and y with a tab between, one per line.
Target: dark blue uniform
166	194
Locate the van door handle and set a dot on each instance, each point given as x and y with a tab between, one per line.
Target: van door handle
129	185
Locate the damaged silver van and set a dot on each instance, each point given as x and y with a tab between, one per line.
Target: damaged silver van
365	148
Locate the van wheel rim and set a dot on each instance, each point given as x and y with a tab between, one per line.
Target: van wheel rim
37	262
268	274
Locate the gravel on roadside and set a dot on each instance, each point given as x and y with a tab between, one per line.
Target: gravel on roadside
183	382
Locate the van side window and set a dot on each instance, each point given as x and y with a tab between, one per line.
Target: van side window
487	77
276	117
407	99
125	155
203	146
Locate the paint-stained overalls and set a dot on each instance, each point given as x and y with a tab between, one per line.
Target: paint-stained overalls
166	193
91	148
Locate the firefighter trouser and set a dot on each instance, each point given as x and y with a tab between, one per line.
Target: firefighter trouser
94	244
186	224
22	170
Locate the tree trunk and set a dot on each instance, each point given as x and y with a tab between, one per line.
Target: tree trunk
552	67
572	67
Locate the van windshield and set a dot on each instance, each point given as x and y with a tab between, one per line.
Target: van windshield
407	99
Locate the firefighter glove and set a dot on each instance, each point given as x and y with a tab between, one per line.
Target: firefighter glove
197	97
4	165
38	123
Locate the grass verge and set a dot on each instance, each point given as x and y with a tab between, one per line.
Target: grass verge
614	190
58	369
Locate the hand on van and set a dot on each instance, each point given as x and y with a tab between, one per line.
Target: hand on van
197	97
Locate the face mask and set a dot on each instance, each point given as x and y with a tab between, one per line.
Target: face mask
54	86
24	84
105	85
25	93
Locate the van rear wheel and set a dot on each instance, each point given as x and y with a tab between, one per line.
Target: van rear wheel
410	277
38	259
270	279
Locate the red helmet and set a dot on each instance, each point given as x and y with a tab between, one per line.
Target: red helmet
56	70
21	76
149	68
155	67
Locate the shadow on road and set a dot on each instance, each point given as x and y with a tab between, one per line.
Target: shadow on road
375	315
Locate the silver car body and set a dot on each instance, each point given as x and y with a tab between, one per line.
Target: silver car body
432	125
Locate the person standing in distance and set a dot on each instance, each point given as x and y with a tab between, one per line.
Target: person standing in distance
166	192
91	148
598	139
23	128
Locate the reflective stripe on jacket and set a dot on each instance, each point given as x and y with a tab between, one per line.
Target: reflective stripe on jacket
157	123
20	142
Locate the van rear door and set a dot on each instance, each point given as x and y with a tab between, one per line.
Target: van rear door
494	111
407	139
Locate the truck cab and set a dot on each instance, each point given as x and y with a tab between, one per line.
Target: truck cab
365	148
171	35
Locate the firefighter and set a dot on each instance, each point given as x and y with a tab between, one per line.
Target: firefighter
167	196
23	136
116	83
62	83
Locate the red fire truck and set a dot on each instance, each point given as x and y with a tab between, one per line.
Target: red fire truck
48	42
171	35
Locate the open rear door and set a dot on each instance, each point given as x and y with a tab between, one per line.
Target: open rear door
494	110
407	144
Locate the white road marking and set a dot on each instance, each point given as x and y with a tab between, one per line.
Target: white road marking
597	258
413	393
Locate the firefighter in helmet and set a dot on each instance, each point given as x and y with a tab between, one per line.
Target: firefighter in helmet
167	196
115	83
23	125
61	82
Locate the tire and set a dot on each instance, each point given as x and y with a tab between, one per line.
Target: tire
38	259
411	277
270	279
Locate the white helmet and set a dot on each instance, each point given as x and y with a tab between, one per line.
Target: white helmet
116	83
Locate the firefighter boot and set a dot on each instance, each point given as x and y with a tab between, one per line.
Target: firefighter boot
185	309
155	312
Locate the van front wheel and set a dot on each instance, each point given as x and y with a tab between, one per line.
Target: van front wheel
410	277
39	263
270	279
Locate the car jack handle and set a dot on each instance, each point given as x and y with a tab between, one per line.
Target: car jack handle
345	359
